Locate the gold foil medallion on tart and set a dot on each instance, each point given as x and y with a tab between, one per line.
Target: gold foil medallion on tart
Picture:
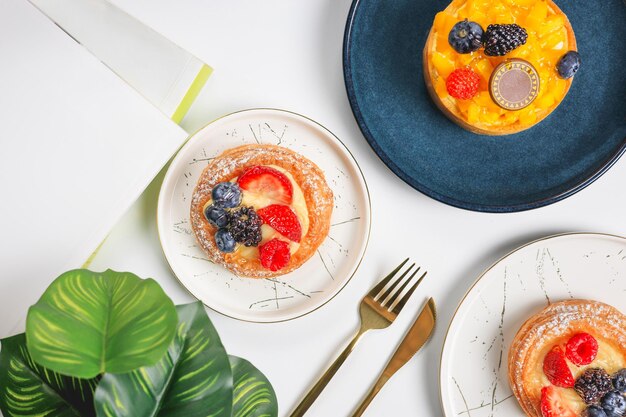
312	204
554	326
514	84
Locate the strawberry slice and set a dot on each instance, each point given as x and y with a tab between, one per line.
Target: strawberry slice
556	369
268	182
275	254
552	405
283	220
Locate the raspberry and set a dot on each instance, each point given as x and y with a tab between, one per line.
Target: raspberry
555	368
275	254
462	83
283	220
581	349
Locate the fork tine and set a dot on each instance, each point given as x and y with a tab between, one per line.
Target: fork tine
374	291
392	297
398	307
383	299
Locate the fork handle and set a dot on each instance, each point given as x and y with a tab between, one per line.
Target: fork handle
382	380
317	389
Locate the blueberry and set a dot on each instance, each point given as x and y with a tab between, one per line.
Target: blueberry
225	241
466	37
619	381
614	404
568	64
594	411
226	194
217	216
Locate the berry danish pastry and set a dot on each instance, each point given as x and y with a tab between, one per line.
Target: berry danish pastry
261	210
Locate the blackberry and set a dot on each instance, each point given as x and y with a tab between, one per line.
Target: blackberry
501	39
592	385
245	226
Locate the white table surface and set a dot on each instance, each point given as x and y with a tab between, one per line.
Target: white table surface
287	54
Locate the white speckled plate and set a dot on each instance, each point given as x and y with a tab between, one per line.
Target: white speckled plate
473	378
321	277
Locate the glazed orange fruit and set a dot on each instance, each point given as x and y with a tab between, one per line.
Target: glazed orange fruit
548	39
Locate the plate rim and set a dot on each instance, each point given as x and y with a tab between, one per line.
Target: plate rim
451	201
485	272
368	206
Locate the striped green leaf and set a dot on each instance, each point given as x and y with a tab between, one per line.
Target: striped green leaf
253	394
87	323
29	390
192	380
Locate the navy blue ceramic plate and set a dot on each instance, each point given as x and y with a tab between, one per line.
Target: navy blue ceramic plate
561	155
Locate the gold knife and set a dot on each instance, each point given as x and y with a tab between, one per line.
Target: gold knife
416	337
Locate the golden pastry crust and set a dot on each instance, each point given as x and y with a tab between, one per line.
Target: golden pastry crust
447	105
231	164
555	325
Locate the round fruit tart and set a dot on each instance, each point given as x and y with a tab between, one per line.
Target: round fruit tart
261	210
498	67
569	360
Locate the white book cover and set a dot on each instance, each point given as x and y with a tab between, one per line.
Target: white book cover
77	147
165	74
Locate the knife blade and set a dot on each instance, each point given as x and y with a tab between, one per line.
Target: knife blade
415	338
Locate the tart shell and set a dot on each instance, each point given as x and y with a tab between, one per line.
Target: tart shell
231	164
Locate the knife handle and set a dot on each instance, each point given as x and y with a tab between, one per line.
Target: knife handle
382	380
317	389
415	338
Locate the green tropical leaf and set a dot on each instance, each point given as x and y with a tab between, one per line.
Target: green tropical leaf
253	394
192	380
87	323
29	390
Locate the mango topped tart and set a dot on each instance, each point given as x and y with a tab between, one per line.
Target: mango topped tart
499	67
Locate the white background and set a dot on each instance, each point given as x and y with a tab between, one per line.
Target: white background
287	54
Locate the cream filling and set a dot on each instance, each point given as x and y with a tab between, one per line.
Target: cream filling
609	358
258	201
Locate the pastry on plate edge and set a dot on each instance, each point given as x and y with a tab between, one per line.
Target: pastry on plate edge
559	354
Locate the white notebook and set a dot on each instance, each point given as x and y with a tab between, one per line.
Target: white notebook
77	147
164	73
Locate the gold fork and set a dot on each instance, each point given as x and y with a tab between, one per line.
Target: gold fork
378	309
